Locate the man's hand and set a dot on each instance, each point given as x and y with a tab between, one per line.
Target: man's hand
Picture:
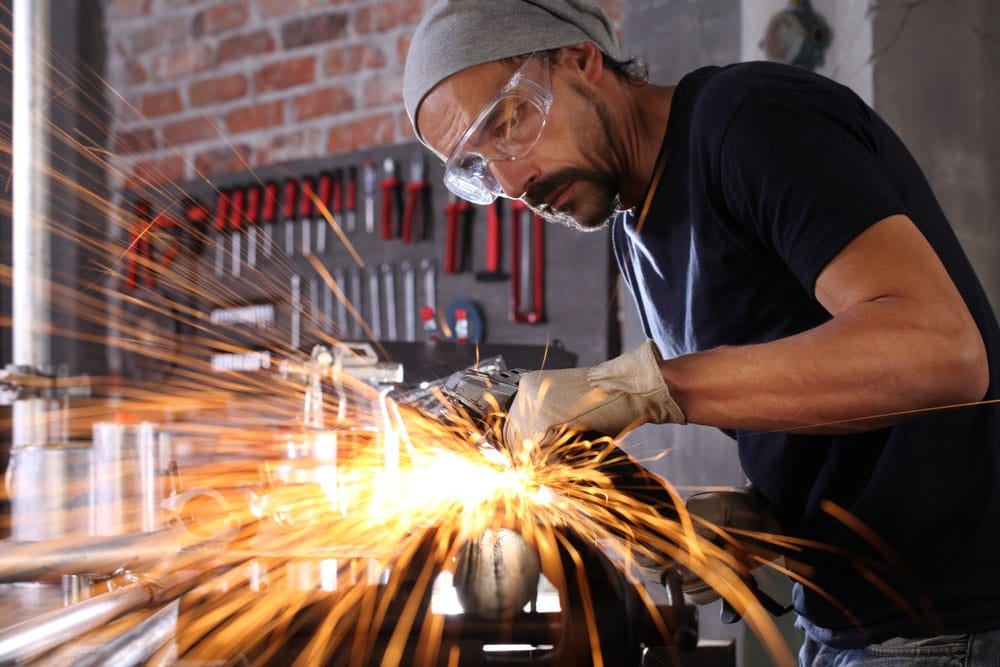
609	398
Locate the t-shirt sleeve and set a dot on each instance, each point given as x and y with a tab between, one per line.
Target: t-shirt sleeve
802	169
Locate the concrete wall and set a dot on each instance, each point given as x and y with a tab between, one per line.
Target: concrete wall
937	82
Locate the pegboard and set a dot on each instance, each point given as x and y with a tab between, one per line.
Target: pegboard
293	295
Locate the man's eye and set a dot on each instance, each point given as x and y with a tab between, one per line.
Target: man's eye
506	123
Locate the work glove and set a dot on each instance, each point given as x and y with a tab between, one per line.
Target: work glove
744	511
608	398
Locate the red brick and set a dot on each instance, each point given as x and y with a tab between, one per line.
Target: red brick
164	32
285	74
406	127
125	9
241	46
135	75
385	16
255	117
297	145
189	131
161	103
183	62
322	102
386	88
270	9
162	170
220	18
313	30
402	47
274	8
223	160
130	142
351	59
363	133
217	89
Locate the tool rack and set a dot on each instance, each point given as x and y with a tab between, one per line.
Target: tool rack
491	276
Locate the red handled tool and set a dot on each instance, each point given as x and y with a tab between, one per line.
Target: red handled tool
138	255
219	221
456	213
237	201
414	216
494	251
337	197
390	192
196	216
527	270
288	210
253	221
324	193
306	210
268	213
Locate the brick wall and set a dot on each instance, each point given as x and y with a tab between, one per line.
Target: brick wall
207	87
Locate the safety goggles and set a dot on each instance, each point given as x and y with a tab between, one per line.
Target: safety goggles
506	130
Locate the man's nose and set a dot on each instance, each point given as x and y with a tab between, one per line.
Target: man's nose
514	176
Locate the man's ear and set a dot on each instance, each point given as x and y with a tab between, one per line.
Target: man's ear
585	58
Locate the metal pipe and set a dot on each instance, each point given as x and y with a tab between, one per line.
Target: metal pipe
133	646
50	559
31	311
31	638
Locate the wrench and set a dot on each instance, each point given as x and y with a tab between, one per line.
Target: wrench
429	270
389	285
356	302
314	314
409	301
339	277
375	304
295	338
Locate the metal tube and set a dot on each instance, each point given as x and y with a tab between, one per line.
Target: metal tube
50	559
29	639
31	311
133	646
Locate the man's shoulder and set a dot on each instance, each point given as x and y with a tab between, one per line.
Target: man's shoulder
716	85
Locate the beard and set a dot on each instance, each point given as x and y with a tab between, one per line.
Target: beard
597	201
591	209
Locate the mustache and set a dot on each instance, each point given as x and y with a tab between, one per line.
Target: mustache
536	195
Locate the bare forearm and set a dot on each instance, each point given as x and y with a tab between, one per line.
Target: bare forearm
871	366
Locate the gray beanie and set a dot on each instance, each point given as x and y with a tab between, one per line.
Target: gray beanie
457	34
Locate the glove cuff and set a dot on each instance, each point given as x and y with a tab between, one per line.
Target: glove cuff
637	374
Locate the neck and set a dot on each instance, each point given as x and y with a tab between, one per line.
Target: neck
643	116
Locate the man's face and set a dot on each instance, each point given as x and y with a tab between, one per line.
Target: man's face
567	175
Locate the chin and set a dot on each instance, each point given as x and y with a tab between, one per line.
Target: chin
582	219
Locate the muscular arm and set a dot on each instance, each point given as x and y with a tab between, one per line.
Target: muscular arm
901	339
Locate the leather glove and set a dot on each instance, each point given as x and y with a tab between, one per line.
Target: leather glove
608	398
742	510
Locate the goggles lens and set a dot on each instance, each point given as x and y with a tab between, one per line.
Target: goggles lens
506	130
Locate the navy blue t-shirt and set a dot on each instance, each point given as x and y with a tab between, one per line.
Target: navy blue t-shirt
768	172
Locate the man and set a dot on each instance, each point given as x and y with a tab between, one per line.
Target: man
800	288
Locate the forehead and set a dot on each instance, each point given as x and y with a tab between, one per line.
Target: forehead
454	104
